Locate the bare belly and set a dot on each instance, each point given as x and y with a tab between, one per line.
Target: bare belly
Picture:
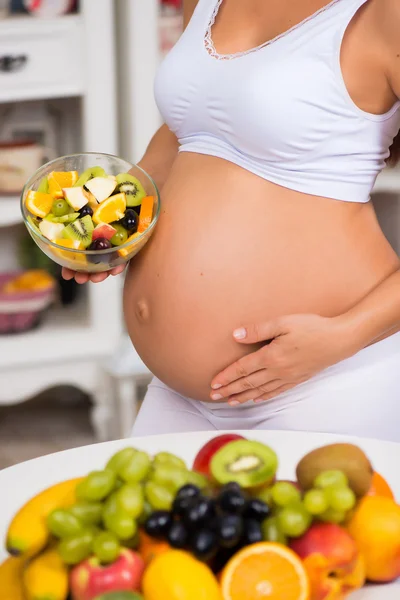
231	249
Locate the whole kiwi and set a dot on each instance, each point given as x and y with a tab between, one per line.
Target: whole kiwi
341	457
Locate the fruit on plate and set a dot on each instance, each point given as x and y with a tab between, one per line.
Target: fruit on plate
380	487
46	577
332	561
28	533
38	204
203	458
101	187
265	570
132	188
175	575
112	209
90	579
103	231
247	462
11	579
349	459
80	230
375	527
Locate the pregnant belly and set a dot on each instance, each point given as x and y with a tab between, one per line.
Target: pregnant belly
232	249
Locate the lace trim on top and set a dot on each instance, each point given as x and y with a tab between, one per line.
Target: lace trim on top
209	44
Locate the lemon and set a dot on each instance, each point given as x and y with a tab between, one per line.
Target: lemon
176	575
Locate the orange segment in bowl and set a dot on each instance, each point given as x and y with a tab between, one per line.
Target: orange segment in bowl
58	180
77	257
112	209
126	251
265	570
38	204
146	213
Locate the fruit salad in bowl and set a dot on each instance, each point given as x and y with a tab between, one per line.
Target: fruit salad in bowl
90	212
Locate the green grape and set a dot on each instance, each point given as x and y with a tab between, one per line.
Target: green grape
169	477
121	524
147	510
341	498
294	521
130	499
163	458
74	550
96	486
118	460
331	478
62	523
120	236
272	532
88	513
106	547
160	498
333	516
60	208
315	502
136	468
197	479
284	493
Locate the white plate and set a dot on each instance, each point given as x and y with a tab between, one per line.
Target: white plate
23	481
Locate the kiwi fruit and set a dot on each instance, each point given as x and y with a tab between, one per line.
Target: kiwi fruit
89	174
70	218
248	463
44	186
34	221
348	458
132	188
81	230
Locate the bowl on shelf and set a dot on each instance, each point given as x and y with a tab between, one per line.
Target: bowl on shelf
24	300
73	239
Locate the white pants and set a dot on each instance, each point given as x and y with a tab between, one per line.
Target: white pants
358	396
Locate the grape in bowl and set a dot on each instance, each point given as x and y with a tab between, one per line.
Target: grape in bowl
90	212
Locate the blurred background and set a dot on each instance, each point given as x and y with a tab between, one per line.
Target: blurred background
74	76
78	76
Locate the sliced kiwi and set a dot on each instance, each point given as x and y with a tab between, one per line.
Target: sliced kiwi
132	188
247	462
43	186
89	174
81	230
70	218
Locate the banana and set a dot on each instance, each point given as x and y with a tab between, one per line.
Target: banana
11	579
46	577
28	533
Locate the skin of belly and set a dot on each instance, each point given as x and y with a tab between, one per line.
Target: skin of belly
232	249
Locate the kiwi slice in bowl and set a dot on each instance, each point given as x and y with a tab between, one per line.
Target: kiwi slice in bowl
81	230
132	188
90	174
248	463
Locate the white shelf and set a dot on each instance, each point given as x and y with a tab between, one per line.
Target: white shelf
388	181
10	212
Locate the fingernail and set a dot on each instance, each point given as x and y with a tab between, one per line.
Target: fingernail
233	402
240	334
216	386
216	397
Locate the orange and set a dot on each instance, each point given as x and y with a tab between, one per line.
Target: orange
61	179
35	279
112	209
375	527
380	487
146	213
126	251
77	257
176	575
149	548
265	570
38	204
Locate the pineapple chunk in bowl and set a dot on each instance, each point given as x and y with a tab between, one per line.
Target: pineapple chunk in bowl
90	212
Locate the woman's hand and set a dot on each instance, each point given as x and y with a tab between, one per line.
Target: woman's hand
93	277
301	346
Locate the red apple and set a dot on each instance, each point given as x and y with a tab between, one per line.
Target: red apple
103	230
332	561
202	461
91	579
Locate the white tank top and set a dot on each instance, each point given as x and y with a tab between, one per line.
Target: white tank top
281	110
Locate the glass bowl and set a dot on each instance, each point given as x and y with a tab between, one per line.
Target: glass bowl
90	261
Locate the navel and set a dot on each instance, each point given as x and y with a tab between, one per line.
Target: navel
142	311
